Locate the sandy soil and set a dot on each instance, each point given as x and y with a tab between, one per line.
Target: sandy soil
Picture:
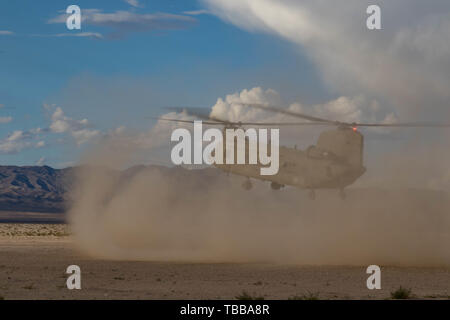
33	260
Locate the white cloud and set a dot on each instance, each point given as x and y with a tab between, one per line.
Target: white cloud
6	32
84	135
345	109
78	129
15	142
134	3
124	22
5	119
196	12
95	35
16	135
59	126
37	130
233	108
406	64
41	161
9	147
19	140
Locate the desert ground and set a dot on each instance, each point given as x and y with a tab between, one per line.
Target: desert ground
34	258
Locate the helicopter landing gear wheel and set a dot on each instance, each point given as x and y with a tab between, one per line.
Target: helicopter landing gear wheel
247	184
312	194
342	194
275	186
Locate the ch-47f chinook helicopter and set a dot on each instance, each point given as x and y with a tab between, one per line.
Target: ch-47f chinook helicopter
334	162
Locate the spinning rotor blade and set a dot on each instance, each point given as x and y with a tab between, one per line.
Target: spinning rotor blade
187	121
199	113
404	125
268	124
287	112
339	123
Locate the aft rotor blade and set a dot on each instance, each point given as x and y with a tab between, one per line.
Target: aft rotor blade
197	112
267	124
339	123
288	112
404	125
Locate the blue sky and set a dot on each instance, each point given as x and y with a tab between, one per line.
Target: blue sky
60	89
130	73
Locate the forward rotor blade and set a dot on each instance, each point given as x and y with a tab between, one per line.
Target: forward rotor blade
187	121
288	112
197	112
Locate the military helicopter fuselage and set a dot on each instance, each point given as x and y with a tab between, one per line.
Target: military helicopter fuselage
335	162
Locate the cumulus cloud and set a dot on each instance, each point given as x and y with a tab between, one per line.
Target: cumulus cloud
17	141
196	12
16	135
84	135
94	35
60	126
355	109
41	161
234	107
78	129
406	64
346	109
5	119
10	147
124	22
40	144
20	140
133	3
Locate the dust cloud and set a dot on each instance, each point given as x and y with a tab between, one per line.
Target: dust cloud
174	214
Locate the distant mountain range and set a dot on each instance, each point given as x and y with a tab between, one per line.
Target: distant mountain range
44	189
33	188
